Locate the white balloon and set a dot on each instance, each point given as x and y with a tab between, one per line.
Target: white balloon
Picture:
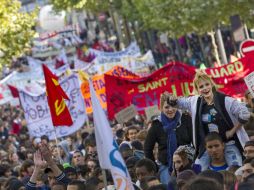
50	20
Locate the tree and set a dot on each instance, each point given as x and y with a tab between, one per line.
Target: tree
180	16
176	17
15	30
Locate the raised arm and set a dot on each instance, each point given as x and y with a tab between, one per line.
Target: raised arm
47	155
184	103
39	164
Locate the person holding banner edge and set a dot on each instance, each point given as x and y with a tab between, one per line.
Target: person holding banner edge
213	111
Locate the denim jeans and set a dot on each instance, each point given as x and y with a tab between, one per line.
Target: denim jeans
164	174
231	153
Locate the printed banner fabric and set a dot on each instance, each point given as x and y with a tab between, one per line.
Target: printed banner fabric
37	113
176	78
99	86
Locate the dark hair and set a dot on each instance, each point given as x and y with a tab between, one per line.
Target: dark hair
82	170
26	164
120	133
78	151
249	161
158	187
131	161
60	184
4	168
93	180
213	136
144	181
79	184
128	129
45	137
201	183
13	183
147	163
137	145
245	186
212	175
229	178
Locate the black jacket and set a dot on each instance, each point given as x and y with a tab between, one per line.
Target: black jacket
156	134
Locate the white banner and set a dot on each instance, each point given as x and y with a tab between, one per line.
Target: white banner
102	57
134	64
249	80
37	112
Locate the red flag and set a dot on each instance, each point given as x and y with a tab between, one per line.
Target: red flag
14	91
58	109
59	63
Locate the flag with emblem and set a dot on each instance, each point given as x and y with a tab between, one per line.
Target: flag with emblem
56	96
109	156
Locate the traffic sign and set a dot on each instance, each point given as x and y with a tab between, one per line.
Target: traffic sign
247	47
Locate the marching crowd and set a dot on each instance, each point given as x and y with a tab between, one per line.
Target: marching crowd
199	142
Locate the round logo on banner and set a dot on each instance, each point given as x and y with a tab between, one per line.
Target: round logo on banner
247	47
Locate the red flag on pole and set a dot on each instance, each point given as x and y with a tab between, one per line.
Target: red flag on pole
58	109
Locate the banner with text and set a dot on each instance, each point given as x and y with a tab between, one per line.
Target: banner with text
132	50
37	112
176	78
99	86
133	63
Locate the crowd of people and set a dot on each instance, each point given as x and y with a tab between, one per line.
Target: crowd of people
197	142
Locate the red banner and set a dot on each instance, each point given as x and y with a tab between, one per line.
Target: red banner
99	86
176	78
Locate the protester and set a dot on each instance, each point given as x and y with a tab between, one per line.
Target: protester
177	126
183	160
229	179
215	149
213	111
144	167
78	159
200	183
248	168
156	134
209	131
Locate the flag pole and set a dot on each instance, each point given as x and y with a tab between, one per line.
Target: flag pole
104	177
58	151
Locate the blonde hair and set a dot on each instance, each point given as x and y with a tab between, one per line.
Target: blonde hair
164	97
201	75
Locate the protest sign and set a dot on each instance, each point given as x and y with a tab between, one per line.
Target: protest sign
37	112
151	111
132	50
249	80
176	78
126	114
133	63
99	86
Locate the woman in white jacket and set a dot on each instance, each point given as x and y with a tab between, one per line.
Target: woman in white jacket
213	111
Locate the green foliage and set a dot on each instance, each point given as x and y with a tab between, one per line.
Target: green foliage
15	30
92	5
181	16
176	17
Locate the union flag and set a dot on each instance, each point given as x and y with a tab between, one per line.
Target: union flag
58	108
